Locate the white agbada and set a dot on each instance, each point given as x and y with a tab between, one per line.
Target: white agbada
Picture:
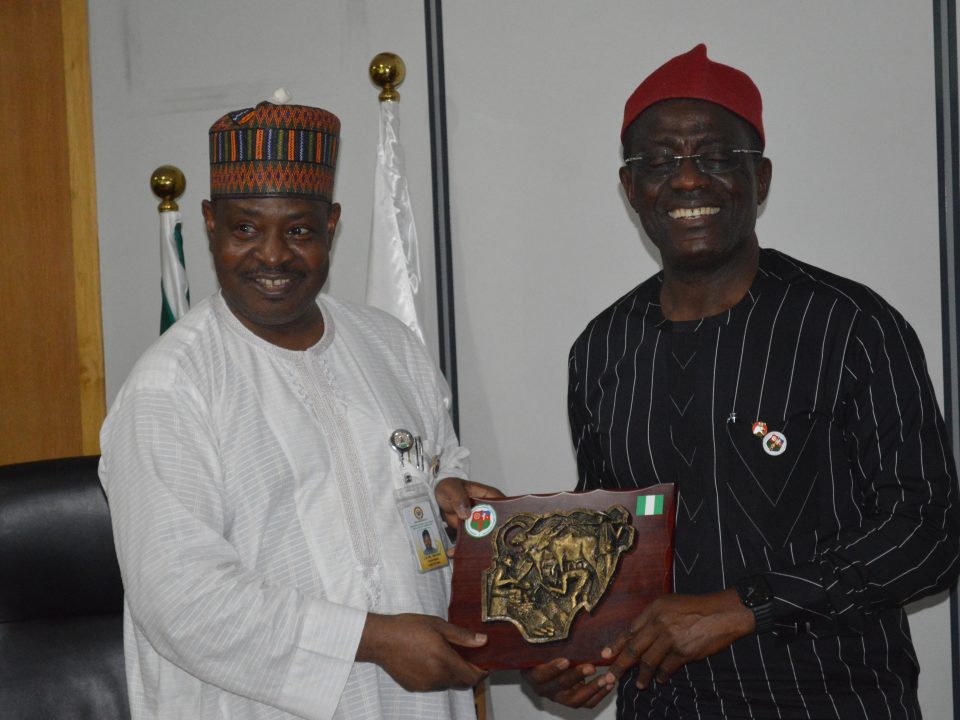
251	490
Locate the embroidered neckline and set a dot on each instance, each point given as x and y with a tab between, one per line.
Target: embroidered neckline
225	314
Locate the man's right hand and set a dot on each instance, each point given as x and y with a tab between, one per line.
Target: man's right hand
415	651
570	686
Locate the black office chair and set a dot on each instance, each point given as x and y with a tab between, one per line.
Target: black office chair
61	598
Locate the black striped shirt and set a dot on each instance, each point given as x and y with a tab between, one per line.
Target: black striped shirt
856	517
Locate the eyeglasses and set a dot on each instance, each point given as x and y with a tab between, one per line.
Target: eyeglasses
713	161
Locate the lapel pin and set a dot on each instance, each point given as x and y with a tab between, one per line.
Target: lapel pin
774	443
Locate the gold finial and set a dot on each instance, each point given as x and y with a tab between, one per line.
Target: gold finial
387	71
168	183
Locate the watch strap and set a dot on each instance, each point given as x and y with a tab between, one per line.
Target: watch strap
755	595
763	616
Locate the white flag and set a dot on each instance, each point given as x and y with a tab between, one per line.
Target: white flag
173	272
393	279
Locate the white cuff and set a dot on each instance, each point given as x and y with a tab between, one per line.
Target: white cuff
328	646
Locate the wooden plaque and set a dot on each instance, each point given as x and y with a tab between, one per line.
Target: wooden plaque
539	570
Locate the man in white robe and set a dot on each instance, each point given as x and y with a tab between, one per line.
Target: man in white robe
248	462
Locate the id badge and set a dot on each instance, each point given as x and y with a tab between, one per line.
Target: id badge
422	526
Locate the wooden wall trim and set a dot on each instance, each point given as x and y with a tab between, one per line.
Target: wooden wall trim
86	253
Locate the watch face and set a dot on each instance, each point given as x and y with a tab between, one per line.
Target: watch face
754	591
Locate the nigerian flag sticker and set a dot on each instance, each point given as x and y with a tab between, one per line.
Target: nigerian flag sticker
650	505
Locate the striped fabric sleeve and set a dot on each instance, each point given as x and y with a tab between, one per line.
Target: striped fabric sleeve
584	444
892	447
186	588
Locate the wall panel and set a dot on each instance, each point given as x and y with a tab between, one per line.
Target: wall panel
51	357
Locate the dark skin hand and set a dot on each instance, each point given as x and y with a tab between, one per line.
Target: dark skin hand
453	497
570	686
676	629
670	632
415	650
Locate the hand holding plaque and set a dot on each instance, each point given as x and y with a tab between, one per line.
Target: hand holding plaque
546	576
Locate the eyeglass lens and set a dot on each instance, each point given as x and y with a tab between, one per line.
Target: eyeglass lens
712	161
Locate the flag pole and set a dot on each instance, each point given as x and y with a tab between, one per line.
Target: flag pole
168	183
387	70
393	277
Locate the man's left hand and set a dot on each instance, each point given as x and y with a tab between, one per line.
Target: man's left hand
676	629
567	685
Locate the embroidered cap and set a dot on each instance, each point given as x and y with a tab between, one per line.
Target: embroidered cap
694	75
274	150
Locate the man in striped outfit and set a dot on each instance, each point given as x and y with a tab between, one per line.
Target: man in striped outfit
792	408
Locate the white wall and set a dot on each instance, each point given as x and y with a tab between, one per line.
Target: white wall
543	238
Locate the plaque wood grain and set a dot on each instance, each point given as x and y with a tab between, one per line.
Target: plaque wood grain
642	576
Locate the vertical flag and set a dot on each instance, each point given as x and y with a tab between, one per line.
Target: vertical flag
393	279
168	183
650	505
173	271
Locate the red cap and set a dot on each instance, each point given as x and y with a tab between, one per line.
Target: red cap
694	75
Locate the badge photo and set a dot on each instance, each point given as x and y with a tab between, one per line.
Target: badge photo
422	526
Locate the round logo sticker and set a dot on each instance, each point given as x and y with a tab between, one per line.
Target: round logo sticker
482	520
774	443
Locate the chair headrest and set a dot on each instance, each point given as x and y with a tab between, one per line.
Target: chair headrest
56	544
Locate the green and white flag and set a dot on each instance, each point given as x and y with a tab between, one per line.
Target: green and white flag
650	505
173	271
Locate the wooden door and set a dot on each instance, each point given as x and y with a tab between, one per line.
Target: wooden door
51	349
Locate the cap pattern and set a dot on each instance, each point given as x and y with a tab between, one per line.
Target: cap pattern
274	150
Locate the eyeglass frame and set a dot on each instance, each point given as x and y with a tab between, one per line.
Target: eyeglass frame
696	157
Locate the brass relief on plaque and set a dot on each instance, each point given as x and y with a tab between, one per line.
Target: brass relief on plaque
546	567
